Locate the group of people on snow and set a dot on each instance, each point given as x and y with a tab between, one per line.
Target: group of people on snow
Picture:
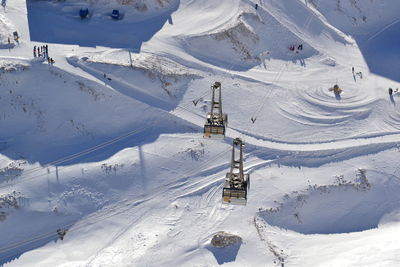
296	48
43	52
359	74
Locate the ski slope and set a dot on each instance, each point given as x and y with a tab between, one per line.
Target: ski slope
107	143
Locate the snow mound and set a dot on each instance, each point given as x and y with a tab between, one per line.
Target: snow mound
346	206
250	38
13	65
223	239
151	79
238	39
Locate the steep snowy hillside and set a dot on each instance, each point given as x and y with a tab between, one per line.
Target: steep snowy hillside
376	27
102	156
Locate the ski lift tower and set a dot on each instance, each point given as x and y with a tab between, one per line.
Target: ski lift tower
236	182
216	120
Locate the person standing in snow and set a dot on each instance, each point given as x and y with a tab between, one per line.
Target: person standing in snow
352	70
34	51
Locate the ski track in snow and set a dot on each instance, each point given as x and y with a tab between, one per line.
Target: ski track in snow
169	203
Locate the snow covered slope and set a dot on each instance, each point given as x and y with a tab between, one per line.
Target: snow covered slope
105	147
376	27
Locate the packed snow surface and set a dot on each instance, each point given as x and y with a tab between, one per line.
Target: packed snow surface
102	156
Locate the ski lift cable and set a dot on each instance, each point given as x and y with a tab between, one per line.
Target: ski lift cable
278	76
45	174
96	147
187	173
74	156
276	79
63	168
77	155
84	152
78	225
81	224
89	150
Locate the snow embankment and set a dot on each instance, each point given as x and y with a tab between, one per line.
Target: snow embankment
346	206
247	42
151	79
269	32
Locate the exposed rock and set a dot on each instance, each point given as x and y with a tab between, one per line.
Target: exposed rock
223	239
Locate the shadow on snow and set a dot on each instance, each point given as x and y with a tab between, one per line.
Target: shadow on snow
226	254
60	23
381	51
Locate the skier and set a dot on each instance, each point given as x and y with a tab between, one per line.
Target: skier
352	70
61	233
390	91
256	6
34	51
300	47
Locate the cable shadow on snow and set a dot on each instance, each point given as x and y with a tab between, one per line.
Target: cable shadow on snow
88	129
60	23
86	151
